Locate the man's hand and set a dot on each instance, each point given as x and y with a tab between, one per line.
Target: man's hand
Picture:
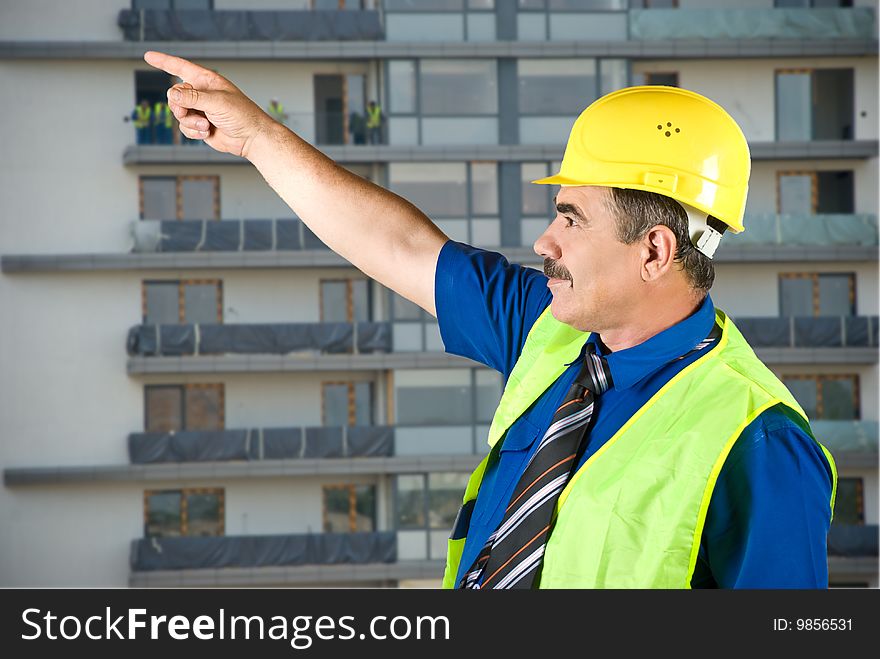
209	107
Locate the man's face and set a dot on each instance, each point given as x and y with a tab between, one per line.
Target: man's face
593	276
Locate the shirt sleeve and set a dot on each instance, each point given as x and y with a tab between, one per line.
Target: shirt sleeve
485	305
768	519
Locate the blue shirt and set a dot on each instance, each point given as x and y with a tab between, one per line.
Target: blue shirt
768	518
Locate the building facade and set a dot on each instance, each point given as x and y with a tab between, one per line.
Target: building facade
195	391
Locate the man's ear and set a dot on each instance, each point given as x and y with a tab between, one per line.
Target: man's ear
658	248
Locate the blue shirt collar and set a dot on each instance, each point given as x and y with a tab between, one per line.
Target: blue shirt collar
630	366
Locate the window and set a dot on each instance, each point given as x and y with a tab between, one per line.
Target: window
345	301
814	104
849	504
446	397
667	78
833	397
810	192
180	198
445	492
171	302
817	294
349	508
536	207
188	512
458	87
169	408
556	86
347	403
172	4
785	4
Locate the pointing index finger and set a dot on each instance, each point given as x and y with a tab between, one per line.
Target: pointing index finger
184	69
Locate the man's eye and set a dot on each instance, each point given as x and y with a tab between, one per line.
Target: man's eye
569	222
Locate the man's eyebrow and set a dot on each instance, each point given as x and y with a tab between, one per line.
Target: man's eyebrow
570	209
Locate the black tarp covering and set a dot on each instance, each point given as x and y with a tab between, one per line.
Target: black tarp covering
819	332
235	236
852	540
260	444
210	25
262	550
271	338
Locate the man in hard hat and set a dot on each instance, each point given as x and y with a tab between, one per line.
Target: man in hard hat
639	441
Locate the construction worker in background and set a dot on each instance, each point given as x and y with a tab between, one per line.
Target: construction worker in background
639	441
374	123
276	111
162	122
143	124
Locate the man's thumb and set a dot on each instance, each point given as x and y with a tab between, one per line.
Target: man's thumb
191	98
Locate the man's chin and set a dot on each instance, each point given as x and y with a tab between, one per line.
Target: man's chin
566	315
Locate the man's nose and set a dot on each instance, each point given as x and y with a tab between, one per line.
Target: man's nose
546	245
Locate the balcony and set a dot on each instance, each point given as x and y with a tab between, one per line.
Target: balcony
853	444
262	339
177	553
732	24
810	332
211	25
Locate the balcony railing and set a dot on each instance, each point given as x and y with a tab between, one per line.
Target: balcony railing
211	25
841	437
180	553
725	24
809	332
801	229
259	339
852	540
261	444
222	236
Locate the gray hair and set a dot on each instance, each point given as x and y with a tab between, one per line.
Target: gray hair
637	211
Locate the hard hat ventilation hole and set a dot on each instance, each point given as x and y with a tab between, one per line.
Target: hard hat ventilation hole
668	125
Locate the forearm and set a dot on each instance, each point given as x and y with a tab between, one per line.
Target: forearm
379	232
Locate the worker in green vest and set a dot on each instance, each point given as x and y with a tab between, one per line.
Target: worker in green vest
276	111
374	123
639	441
162	121
142	118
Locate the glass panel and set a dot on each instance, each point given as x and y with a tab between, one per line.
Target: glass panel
796	296
457	230
160	198
412	545
203	514
410	502
531	229
424	5
335	404
481	4
433	397
407	337
459	87
424	27
481	27
485	232
834	295
163	515
337	505
608	26
363	403
471	130
793	107
660	78
204	408
403	131
488	394
833	109
556	86
589	4
200	304
425	440
198	199
545	130
334	302
360	295
484	188
836	192
402	85
531	27
612	75
436	188
805	393
532	4
365	508
838	399
849	505
796	194
356	107
535	198
164	411
404	309
163	305
444	498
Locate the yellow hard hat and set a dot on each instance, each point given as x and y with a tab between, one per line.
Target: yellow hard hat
666	140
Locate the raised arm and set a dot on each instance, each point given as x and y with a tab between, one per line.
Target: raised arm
380	233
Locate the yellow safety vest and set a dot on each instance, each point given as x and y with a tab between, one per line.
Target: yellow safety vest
162	113
374	117
632	516
141	117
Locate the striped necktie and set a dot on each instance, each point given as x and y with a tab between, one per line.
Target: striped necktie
512	556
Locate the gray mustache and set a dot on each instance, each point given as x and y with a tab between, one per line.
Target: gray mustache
554	270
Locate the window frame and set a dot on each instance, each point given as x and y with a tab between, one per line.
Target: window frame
815	277
181	296
820	378
184	509
184	388
352	399
814	187
352	505
178	188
